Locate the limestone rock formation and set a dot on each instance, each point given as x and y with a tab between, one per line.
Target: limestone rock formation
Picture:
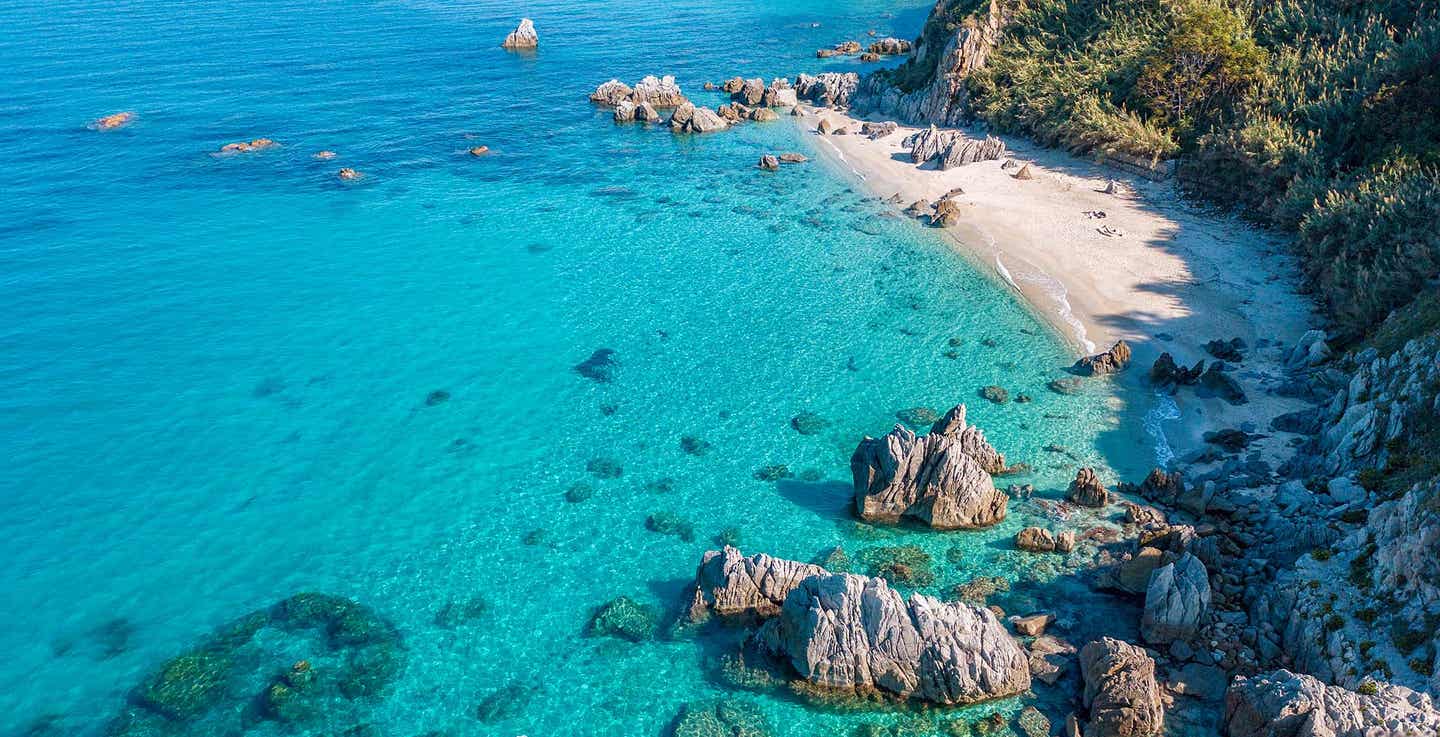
855	633
942	479
1109	362
1087	491
523	37
1285	704
689	118
732	586
1120	690
1176	601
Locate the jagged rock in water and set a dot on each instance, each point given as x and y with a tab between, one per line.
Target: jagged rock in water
1158	486
733	85
1120	690
964	48
624	111
691	119
1035	540
660	92
1285	704
1176	601
1165	372
612	93
763	115
1101	364
931	479
1220	384
768	162
523	37
857	634
890	46
732	586
876	131
971	439
1087	491
646	113
828	89
869	57
793	158
751	92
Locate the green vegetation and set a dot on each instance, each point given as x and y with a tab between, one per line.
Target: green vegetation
1312	116
1367	688
1321	554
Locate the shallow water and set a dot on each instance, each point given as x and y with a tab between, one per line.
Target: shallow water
226	381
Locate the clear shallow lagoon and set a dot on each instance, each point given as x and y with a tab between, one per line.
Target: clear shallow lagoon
214	372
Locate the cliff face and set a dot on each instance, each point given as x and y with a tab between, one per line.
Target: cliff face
930	86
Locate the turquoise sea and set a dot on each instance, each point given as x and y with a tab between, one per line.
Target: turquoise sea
227	381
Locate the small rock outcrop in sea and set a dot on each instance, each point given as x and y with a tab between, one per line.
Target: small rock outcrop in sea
245	147
1285	704
889	46
768	162
113	121
721	718
1041	540
828	89
689	118
1101	364
844	48
858	635
793	158
659	92
479	151
941	479
1087	491
731	586
1176	601
1120	690
348	175
625	618
523	37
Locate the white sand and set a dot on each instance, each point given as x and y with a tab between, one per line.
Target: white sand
1175	279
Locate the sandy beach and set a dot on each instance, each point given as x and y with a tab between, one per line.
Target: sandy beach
1142	265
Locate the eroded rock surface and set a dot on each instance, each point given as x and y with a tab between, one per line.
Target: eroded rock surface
1120	690
730	585
1285	704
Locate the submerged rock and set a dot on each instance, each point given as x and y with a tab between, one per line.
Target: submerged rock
1120	690
669	523
722	718
694	446
625	618
904	564
809	423
1109	362
599	367
857	634
732	586
940	479
523	37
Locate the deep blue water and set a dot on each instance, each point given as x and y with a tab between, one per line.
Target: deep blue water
214	372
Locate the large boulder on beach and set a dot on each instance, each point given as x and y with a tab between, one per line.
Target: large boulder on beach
856	634
523	37
940	479
1120	690
1176	601
1285	704
963	150
928	143
1109	362
689	118
732	586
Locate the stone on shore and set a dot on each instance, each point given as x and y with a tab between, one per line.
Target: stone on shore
691	119
856	634
1166	373
732	586
940	479
1087	491
828	89
1109	362
1120	690
1176	601
523	37
1285	704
